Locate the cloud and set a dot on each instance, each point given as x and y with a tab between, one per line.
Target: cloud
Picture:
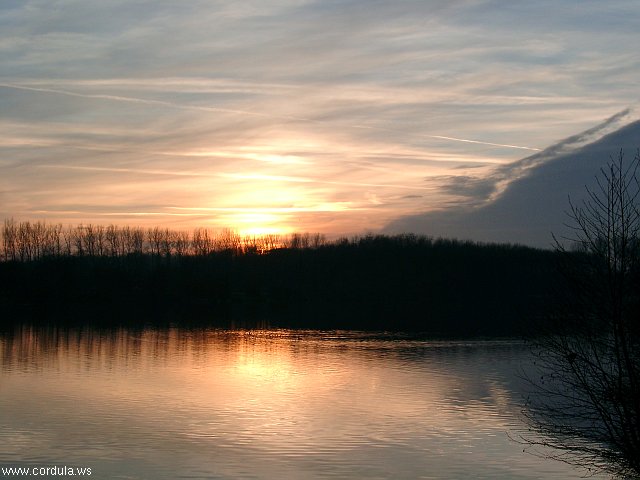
160	103
478	189
533	205
304	101
481	189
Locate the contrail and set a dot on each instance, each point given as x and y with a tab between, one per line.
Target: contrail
442	137
163	103
119	98
506	145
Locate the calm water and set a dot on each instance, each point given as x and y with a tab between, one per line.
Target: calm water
263	404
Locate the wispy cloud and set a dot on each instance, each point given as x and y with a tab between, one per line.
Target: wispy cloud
161	103
385	108
482	189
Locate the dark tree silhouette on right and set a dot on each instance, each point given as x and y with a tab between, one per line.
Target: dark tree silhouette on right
584	404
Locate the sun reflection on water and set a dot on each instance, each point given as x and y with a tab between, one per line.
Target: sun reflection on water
265	403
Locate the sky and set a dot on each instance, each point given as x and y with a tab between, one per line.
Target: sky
338	117
529	201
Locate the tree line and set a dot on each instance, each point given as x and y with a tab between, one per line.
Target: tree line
582	299
28	241
369	282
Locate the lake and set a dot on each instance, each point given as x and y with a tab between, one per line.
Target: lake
177	403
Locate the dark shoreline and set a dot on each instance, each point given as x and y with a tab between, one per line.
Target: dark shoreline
375	283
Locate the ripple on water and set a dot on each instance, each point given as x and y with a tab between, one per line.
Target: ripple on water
264	404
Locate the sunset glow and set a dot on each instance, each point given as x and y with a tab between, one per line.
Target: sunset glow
256	223
294	116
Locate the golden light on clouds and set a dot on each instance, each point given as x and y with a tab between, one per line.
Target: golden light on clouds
256	223
352	125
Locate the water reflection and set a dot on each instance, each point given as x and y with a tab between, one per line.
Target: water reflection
262	404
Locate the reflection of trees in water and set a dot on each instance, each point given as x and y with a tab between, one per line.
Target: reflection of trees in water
585	400
467	372
30	345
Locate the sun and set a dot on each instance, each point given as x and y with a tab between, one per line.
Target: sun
258	224
261	231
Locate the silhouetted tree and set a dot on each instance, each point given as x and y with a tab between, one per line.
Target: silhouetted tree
201	242
113	239
181	243
10	240
404	282
585	403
